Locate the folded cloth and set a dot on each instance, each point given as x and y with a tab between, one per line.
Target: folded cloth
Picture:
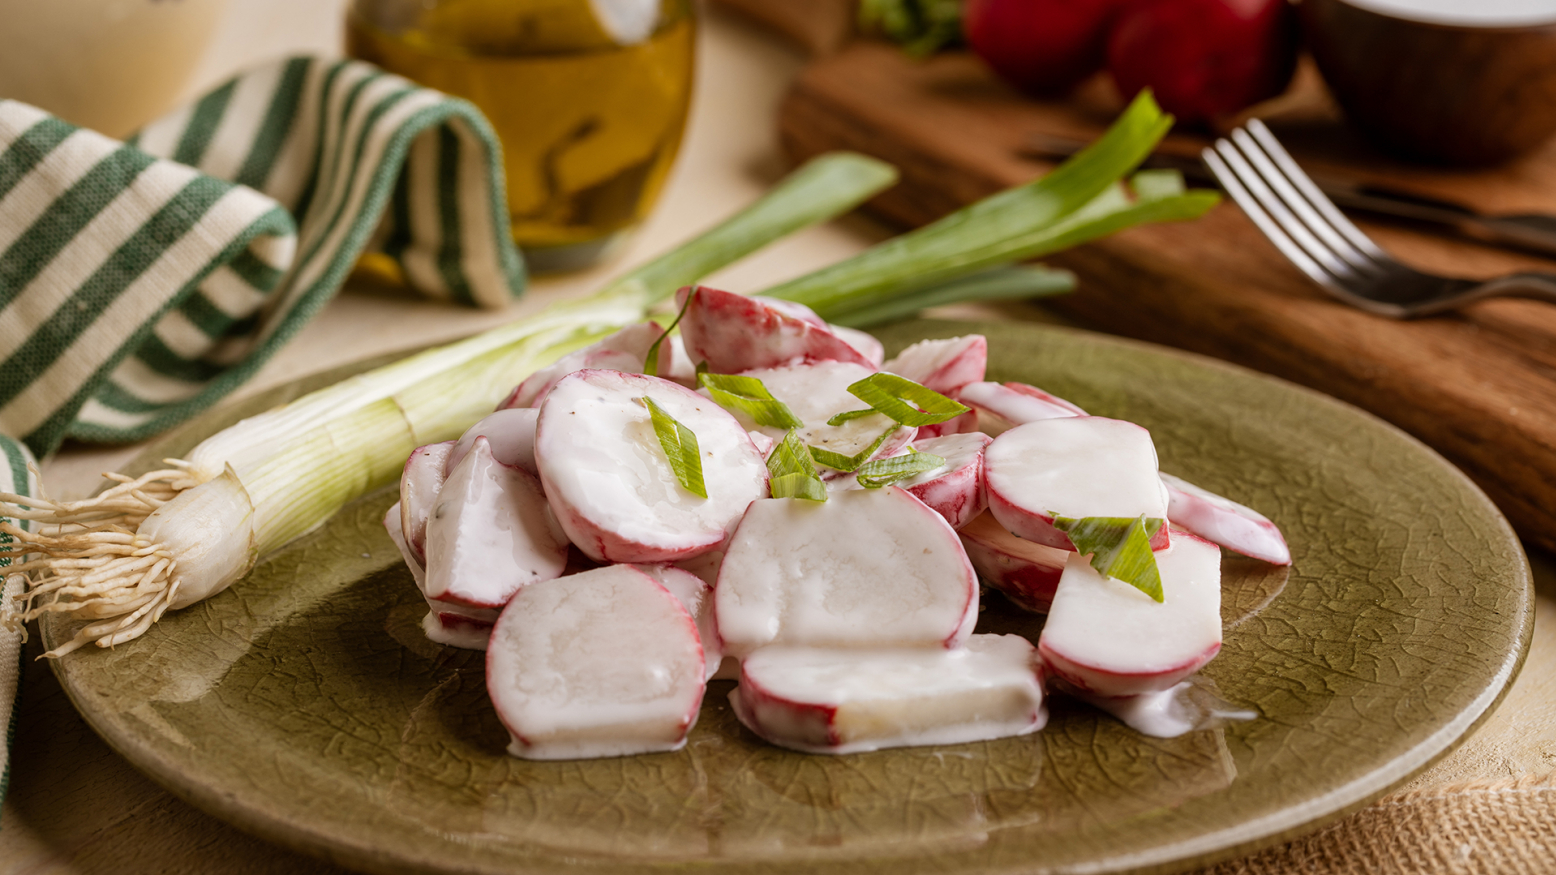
140	282
16	477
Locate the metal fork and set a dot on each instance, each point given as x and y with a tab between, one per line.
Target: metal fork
1307	228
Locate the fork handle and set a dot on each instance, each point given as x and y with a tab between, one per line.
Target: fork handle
1524	284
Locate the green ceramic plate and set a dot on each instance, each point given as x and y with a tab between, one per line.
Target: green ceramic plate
305	705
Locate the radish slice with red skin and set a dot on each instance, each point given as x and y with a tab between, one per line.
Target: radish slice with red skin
943	365
850	701
681	369
456	630
604	663
863	343
817	392
735	333
490	533
511	433
420	481
1224	521
967	423
393	525
793	309
955	489
610	484
1026	572
1082	466
865	568
1107	638
1003	406
696	596
623	351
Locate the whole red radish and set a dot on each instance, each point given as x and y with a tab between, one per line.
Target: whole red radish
1042	47
1204	58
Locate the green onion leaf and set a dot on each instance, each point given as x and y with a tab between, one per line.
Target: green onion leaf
680	447
905	401
1120	547
884	472
791	473
844	463
749	396
849	415
651	361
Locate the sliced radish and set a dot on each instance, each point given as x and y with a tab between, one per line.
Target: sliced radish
491	532
1026	572
1107	638
1224	521
955	489
863	343
696	596
865	568
604	663
420	482
623	351
1082	466
943	365
1003	406
734	333
681	368
393	525
848	701
611	484
456	630
764	443
817	392
793	309
511	433
967	423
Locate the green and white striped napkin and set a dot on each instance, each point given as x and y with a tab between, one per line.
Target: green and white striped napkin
141	282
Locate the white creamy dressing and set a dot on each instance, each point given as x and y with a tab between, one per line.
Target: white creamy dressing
1190	706
1075	467
455	631
815	393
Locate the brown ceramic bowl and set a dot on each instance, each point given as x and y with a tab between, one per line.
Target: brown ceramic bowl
1462	83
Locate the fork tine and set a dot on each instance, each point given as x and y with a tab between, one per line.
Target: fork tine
1318	199
1332	264
1283	180
1251	208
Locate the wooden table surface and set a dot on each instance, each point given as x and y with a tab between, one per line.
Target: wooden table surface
74	806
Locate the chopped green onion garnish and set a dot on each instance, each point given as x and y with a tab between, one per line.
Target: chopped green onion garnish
680	447
1120	547
905	401
749	396
850	463
651	361
848	415
884	472
791	473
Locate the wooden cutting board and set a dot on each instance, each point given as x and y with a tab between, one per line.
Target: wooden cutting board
1478	385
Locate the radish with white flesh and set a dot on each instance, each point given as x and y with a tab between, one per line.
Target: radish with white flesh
623	351
1107	638
420	481
815	393
445	624
841	701
681	369
613	488
735	333
863	343
510	431
1003	406
491	532
394	526
1026	572
1081	466
943	365
604	663
966	423
696	596
793	310
955	489
865	568
1224	521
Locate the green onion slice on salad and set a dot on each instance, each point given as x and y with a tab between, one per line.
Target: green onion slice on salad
903	400
1120	547
884	472
680	447
791	473
749	396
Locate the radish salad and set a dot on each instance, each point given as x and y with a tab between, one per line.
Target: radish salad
763	497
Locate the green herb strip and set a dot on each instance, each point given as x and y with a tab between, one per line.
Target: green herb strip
884	472
1120	547
850	415
792	473
651	361
850	463
749	396
680	447
905	401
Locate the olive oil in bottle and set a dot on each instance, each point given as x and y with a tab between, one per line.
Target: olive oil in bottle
589	99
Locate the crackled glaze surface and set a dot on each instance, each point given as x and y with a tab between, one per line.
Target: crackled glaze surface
305	704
